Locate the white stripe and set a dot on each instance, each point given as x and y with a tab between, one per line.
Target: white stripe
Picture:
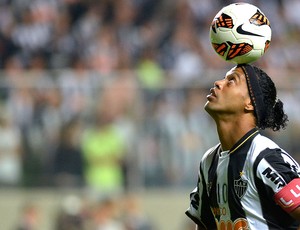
222	183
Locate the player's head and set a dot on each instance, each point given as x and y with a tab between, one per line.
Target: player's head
268	111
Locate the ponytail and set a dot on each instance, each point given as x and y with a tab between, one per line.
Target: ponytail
280	119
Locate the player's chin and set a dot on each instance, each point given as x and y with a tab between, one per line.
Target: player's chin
212	105
208	106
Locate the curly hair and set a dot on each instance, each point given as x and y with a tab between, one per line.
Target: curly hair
275	118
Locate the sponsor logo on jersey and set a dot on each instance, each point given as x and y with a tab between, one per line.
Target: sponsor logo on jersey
274	177
240	223
240	187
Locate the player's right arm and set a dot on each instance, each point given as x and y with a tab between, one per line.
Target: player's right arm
200	228
199	210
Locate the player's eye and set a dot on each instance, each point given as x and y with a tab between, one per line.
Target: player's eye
231	79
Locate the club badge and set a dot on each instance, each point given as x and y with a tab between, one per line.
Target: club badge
240	187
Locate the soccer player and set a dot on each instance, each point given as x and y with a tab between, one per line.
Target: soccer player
246	181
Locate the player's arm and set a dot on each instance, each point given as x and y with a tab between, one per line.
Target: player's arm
202	228
199	210
287	195
296	214
289	198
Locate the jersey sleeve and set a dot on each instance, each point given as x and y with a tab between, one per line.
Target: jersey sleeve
289	197
276	169
199	210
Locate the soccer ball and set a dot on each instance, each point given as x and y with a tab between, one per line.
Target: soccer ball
240	33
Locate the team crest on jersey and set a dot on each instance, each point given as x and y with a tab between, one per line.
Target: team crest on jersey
240	187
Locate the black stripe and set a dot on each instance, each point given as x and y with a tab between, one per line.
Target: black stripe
236	165
208	219
212	179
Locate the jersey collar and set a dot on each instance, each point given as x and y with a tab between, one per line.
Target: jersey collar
249	135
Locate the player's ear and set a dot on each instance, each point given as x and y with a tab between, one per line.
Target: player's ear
248	105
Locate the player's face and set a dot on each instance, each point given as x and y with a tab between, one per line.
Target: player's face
230	95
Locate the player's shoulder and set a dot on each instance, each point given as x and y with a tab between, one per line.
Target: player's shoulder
264	141
210	154
260	147
265	148
261	143
211	151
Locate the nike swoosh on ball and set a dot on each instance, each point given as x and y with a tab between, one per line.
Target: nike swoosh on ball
240	30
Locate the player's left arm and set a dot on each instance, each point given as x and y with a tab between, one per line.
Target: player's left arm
296	214
289	198
285	184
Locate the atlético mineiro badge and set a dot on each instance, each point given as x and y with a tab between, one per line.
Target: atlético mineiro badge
240	187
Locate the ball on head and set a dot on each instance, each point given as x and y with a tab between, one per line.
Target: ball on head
240	33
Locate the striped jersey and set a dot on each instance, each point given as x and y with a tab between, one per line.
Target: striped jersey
235	189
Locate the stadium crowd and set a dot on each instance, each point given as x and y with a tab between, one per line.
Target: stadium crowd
109	94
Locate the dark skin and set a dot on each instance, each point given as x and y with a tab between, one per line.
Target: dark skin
230	106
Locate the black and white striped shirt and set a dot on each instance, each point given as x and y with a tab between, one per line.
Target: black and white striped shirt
235	189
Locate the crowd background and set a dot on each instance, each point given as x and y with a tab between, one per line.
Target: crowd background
108	95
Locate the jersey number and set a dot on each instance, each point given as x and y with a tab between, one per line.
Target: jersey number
222	191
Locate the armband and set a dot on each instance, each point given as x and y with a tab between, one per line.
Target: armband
289	196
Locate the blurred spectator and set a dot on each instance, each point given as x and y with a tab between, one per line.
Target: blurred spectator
68	158
105	216
10	151
102	52
188	64
31	35
71	215
29	217
103	152
20	104
292	16
77	87
182	138
63	42
134	217
19	96
42	131
149	157
150	76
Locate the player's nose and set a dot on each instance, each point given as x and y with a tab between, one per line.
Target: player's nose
218	84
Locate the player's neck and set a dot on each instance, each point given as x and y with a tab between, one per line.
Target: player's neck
231	132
